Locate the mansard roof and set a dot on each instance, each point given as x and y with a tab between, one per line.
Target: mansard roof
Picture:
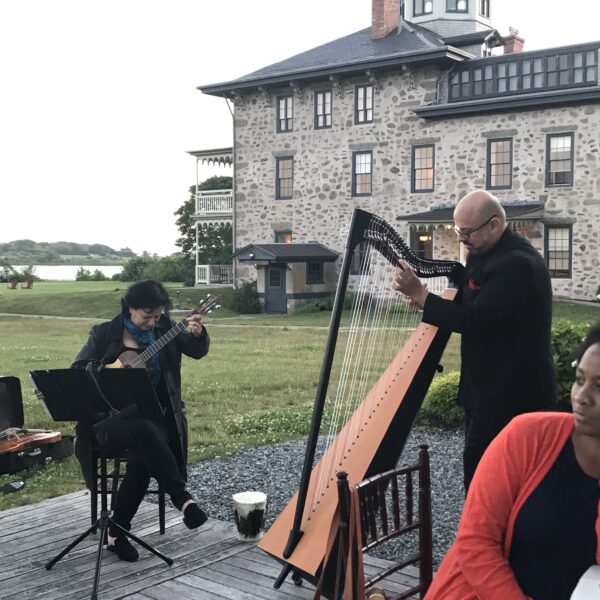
354	53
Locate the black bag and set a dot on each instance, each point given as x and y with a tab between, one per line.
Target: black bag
11	415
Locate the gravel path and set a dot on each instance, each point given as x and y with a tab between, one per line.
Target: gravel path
276	469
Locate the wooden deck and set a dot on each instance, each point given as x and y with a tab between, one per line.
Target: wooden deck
210	563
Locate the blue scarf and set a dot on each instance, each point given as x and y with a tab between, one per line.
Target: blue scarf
145	339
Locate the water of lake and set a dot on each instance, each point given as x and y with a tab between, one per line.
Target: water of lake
68	272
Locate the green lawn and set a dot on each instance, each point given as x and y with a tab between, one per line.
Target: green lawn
256	386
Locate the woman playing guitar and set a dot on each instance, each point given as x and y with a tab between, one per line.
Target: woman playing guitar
156	450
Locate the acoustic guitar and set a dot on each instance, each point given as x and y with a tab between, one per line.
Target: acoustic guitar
15	439
139	360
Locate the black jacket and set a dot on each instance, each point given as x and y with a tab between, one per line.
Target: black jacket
104	345
505	321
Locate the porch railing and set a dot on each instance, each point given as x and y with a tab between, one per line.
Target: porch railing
214	274
214	203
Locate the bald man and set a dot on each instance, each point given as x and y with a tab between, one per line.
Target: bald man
504	319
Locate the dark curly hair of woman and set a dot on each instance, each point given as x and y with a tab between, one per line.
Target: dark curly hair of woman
591	337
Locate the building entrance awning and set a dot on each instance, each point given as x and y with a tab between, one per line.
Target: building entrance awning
520	211
285	253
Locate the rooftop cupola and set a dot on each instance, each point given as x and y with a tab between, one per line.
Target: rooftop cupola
449	18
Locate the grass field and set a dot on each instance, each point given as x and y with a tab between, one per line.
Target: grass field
256	385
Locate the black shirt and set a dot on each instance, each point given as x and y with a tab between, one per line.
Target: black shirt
554	539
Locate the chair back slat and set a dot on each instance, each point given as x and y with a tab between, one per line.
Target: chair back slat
394	504
409	498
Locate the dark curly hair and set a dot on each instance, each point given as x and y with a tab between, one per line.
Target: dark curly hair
148	293
591	337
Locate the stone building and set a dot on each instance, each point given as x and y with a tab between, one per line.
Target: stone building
405	117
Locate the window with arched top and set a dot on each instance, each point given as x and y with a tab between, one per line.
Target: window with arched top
461	6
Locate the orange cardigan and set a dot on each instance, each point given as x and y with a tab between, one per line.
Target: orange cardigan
476	566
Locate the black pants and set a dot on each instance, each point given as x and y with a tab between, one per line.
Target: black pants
149	455
482	425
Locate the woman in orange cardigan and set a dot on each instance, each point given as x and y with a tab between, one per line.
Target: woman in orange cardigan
530	526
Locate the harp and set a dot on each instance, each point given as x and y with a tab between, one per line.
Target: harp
370	390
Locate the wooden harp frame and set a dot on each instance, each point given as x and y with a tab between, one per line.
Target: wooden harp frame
302	537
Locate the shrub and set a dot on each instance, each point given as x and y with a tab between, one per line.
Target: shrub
175	267
315	305
566	336
244	300
440	405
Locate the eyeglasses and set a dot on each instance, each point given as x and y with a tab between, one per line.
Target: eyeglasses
468	232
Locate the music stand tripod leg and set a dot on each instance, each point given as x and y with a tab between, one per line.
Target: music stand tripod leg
72	545
141	542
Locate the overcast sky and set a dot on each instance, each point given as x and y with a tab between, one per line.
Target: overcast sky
98	99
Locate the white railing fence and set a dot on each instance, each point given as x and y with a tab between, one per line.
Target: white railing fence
214	274
214	202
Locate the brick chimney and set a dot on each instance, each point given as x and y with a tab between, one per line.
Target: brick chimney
513	42
385	17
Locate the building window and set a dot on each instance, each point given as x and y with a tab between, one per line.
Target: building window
360	259
422	7
457	6
285	113
283	237
421	242
558	250
362	173
423	167
275	278
484	8
501	75
499	164
363	104
323	110
559	159
314	272
284	183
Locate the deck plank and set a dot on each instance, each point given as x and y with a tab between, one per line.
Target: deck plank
210	563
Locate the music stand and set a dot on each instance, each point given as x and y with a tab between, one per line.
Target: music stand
81	395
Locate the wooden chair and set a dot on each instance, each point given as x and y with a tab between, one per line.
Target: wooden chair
109	465
389	509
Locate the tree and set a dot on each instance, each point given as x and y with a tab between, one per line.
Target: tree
214	241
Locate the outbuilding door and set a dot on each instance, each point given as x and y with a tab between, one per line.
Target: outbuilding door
275	300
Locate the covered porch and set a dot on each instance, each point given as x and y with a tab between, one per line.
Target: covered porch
431	233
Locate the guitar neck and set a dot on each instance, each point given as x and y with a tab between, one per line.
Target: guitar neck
160	343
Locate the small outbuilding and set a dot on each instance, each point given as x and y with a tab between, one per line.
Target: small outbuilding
289	273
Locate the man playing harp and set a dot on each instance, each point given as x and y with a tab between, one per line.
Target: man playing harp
504	320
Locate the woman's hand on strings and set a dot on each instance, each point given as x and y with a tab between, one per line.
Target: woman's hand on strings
195	325
405	281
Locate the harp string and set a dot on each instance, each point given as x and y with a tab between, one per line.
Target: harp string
371	343
378	325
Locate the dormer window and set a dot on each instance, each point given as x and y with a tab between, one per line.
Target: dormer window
484	8
461	6
422	7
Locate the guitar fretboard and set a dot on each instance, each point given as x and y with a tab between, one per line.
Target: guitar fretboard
162	341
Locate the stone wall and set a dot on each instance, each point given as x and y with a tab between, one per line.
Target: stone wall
322	203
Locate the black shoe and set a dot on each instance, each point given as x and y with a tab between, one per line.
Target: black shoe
194	516
123	549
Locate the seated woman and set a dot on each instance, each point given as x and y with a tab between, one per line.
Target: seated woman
530	526
156	450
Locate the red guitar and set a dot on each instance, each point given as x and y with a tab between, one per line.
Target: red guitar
14	439
131	358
